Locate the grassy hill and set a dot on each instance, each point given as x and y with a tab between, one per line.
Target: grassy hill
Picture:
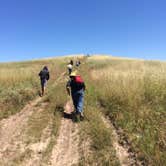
130	93
133	95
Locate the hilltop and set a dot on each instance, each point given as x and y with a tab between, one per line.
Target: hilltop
124	113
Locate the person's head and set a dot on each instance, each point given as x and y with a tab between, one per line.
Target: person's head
45	68
71	62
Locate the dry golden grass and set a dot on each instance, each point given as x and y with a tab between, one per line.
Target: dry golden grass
12	76
99	57
134	92
19	82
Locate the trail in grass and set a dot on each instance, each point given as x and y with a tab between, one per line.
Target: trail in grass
15	146
14	124
65	151
11	131
125	158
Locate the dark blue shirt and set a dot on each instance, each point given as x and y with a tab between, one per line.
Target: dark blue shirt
75	86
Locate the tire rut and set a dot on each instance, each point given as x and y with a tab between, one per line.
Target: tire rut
13	145
11	131
66	151
11	127
125	157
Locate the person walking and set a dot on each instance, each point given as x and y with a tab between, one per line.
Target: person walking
44	77
76	88
70	66
78	63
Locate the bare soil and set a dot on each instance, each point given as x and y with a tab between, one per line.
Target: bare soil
122	153
66	150
11	130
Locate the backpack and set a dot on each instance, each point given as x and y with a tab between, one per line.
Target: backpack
44	74
78	79
78	82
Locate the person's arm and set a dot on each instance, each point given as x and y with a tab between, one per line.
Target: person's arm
48	76
39	73
68	88
84	87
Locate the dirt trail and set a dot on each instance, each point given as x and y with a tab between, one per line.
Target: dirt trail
38	148
13	145
122	153
66	150
11	130
11	127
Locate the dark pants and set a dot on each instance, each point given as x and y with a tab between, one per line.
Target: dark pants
43	83
70	70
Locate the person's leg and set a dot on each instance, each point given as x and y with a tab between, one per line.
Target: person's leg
43	86
79	108
80	102
43	90
76	115
74	98
70	70
41	93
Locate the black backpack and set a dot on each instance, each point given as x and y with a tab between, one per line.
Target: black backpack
78	82
44	74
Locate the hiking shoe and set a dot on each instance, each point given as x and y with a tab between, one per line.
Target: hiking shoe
77	117
81	116
73	114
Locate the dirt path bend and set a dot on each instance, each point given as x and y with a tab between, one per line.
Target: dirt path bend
66	149
122	153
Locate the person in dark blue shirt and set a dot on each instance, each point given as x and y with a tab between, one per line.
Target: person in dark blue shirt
76	87
44	77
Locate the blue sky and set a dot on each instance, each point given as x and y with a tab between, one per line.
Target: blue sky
31	29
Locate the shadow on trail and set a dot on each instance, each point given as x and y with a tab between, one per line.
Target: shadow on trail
64	114
67	115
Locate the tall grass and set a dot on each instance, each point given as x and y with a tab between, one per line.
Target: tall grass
46	116
19	83
134	94
93	130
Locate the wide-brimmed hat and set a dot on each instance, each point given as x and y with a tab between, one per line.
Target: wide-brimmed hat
73	74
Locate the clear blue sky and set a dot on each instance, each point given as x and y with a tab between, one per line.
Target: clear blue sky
42	28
